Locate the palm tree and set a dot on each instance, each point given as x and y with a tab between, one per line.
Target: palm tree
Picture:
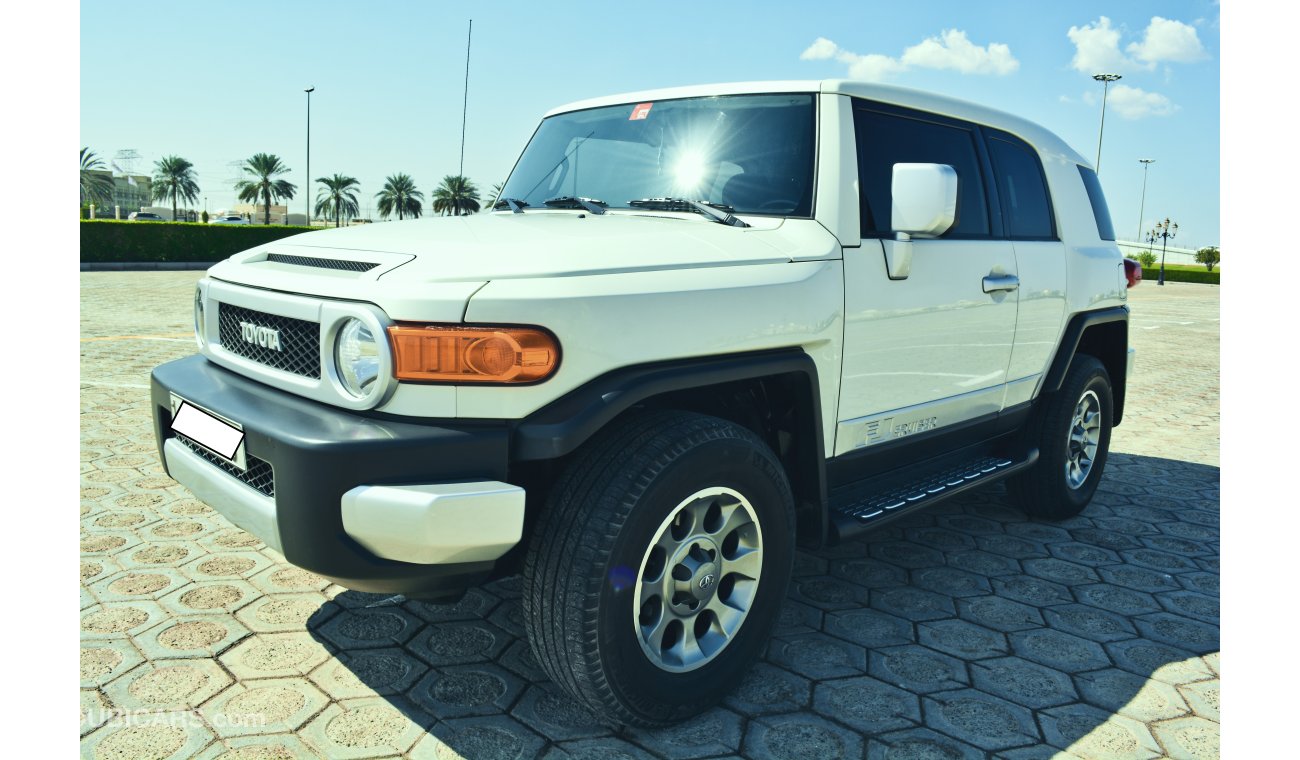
456	196
337	198
264	187
399	194
496	193
173	177
95	187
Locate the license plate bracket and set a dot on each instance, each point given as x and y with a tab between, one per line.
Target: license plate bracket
221	436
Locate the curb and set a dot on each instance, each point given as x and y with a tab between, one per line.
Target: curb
144	266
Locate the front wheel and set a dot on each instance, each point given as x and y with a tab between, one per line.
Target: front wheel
659	566
1071	429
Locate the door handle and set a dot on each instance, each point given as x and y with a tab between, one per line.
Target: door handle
1001	282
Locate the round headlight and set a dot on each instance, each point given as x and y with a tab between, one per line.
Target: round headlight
198	317
356	354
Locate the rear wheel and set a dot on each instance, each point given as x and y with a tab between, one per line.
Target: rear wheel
1071	429
659	566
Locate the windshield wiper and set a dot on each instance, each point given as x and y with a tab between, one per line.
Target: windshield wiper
719	212
515	204
570	201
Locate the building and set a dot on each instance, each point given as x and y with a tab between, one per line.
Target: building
130	193
256	212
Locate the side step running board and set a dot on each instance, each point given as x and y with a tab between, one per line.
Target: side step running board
871	504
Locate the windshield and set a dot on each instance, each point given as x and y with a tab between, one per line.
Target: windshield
750	153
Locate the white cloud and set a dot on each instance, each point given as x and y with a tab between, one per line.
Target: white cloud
1167	41
1136	103
951	50
1096	48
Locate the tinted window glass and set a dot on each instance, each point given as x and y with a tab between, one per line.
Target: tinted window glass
1105	230
1021	190
886	139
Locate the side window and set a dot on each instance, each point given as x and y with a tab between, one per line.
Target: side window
1100	211
885	139
1022	190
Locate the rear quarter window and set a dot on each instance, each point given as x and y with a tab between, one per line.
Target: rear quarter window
1100	211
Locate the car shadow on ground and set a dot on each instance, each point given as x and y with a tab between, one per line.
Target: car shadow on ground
965	630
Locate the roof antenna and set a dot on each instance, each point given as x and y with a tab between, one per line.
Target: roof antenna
464	109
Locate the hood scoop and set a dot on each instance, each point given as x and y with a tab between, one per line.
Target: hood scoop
312	261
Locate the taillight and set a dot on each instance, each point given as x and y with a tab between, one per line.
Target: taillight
459	354
1133	271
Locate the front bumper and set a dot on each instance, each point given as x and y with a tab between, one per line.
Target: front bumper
372	504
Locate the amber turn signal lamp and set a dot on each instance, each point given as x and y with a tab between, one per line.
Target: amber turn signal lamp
459	354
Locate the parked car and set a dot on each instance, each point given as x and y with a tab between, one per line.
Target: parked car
144	216
228	219
761	313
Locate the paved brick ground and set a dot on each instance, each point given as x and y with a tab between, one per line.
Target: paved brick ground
965	632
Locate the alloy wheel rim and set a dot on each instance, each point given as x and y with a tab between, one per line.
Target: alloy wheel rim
698	579
1083	439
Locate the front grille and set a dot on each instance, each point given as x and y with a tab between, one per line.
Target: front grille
311	261
299	340
258	476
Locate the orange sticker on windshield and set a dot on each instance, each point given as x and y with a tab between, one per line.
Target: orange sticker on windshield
642	111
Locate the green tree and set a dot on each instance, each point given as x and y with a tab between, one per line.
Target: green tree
400	195
1147	259
95	188
496	194
1209	256
456	196
263	168
337	197
173	177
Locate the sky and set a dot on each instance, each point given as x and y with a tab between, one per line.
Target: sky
390	81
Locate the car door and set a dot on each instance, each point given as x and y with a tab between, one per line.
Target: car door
932	349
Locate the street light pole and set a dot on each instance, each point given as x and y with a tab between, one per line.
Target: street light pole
1146	164
1163	231
306	191
1105	79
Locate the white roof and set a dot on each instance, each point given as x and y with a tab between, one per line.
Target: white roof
1036	135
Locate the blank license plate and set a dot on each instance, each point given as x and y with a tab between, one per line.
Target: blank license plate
221	437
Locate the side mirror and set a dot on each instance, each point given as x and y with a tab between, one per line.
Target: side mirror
923	205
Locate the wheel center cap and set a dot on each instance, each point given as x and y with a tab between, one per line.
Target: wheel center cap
705	580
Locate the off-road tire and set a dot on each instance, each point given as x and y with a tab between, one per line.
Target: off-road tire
1044	491
597	525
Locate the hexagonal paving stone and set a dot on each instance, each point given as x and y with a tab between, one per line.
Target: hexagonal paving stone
106	659
369	628
265	706
134	585
1203	698
180	529
1192	604
149	555
368	673
442	644
1142	699
557	715
1040	532
461	691
474	605
920	744
117	619
286	613
190	636
1179	631
827	593
1138	578
119	519
999	614
509	617
518	659
796	617
808	564
870	628
906	554
767	690
1083	554
160	737
96	710
1162	662
1060	571
1030	590
287	579
274	747
1117	599
1011	546
1185	547
363	728
1060	650
818	656
274	655
226	566
1089	622
1023	682
968	524
1205	583
1088	732
231	539
168	685
943	539
950	581
211	597
867	704
918	669
869	573
498	737
608	748
1106	539
981	719
913	604
984	563
799	736
963	639
108	543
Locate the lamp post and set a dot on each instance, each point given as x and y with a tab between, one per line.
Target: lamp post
1105	80
1162	232
1142	209
306	191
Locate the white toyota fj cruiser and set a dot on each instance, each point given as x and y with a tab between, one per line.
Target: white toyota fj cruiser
699	325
